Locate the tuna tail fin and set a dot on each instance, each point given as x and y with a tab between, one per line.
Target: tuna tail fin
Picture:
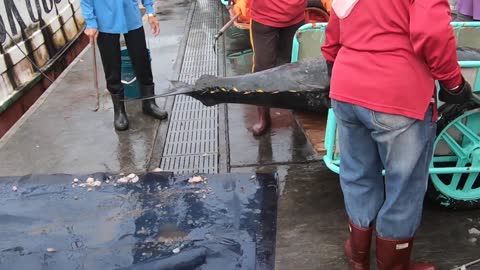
177	88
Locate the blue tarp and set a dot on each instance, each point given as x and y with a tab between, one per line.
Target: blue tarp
160	222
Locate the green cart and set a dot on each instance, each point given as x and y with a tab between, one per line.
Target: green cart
455	166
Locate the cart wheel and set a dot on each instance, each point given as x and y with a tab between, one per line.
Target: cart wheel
457	145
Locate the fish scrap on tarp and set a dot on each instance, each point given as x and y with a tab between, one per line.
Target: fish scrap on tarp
160	222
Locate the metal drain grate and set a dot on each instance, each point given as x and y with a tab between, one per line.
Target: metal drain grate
191	145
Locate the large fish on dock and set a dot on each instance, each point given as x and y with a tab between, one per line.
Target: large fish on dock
299	86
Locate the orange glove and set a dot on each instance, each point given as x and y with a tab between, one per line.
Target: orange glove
241	7
327	4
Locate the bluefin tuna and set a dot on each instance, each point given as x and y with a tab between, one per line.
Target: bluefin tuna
299	86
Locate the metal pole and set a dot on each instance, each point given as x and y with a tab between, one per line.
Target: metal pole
95	75
464	267
222	30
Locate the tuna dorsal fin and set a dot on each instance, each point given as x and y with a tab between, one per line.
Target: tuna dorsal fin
177	88
206	80
176	84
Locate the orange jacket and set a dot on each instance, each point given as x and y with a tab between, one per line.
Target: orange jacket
242	7
327	4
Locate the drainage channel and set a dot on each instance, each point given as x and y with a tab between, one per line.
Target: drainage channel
191	144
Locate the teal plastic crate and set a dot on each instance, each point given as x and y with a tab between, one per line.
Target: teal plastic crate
129	79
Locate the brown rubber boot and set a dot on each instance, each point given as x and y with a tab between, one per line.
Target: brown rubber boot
263	123
357	247
394	254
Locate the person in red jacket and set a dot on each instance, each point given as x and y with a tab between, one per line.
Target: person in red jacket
384	58
272	28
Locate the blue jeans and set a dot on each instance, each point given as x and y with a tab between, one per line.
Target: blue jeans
370	141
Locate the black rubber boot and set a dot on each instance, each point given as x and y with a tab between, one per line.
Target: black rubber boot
120	120
149	106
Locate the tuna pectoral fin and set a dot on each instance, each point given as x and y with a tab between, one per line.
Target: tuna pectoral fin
178	88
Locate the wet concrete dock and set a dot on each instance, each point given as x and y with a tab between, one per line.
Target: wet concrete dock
61	134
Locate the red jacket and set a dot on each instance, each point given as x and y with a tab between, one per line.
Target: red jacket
278	13
387	54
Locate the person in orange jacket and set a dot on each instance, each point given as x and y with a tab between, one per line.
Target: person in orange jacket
272	28
327	4
242	8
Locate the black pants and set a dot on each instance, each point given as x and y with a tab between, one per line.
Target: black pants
271	46
109	46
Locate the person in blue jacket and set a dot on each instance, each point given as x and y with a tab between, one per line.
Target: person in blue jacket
106	20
